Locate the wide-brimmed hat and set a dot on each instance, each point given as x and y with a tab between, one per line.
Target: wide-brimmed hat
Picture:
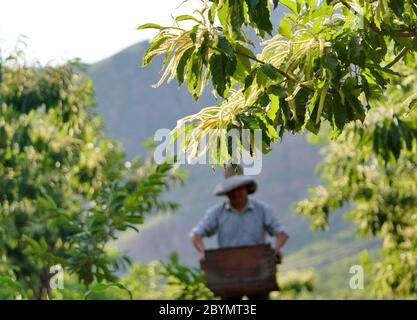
234	178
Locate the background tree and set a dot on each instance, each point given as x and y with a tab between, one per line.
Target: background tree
65	189
373	169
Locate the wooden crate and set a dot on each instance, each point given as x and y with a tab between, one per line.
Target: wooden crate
241	270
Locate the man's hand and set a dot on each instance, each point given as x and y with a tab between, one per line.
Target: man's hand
278	255
199	244
202	260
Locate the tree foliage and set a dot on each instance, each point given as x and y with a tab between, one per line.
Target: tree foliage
324	62
188	283
373	169
65	188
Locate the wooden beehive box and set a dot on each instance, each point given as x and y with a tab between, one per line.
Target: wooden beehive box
241	270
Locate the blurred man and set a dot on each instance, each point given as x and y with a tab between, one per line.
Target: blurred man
240	221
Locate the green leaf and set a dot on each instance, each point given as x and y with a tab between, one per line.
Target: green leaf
185	17
193	33
412	105
47	203
357	108
195	68
231	66
285	28
339	113
397	7
290	5
149	26
261	17
224	46
236	16
300	4
242	50
182	64
4	280
394	141
270	71
311	109
153	46
222	14
252	5
262	79
322	100
35	246
278	91
310	3
243	68
273	107
99	287
212	13
218	75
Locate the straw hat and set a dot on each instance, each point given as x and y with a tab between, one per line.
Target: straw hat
234	178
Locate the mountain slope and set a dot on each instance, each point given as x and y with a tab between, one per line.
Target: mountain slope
131	108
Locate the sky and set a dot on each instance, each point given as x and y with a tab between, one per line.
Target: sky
52	31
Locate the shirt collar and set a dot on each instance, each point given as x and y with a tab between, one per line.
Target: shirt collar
249	205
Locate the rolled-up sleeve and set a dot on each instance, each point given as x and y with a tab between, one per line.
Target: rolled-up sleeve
271	224
207	226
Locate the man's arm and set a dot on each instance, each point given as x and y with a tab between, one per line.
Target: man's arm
275	228
205	228
199	245
280	239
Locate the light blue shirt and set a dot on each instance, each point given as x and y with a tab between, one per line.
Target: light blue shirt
235	229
